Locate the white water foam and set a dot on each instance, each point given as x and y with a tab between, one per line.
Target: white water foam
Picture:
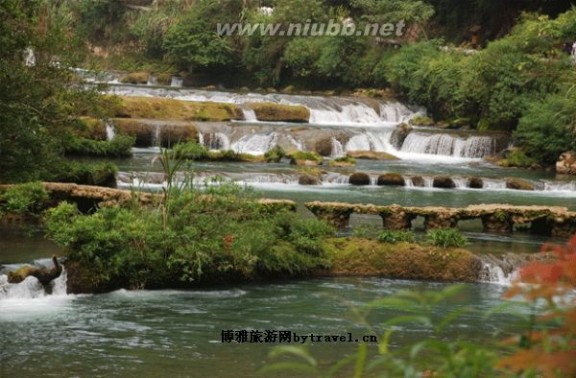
448	145
29	299
256	144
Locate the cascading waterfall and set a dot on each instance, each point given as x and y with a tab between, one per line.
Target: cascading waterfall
249	114
176	82
214	141
448	145
337	148
371	141
256	144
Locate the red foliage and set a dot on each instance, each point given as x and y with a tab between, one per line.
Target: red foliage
550	351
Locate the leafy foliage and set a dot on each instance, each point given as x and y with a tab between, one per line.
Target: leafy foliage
29	198
549	348
446	238
394	237
218	234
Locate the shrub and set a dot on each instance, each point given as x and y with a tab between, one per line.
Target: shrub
190	150
548	128
394	237
446	238
275	154
118	147
28	198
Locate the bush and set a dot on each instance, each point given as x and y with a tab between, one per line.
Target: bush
217	235
30	198
118	147
394	237
446	238
100	174
274	155
548	128
190	150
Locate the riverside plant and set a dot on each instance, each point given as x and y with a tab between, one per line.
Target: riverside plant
446	238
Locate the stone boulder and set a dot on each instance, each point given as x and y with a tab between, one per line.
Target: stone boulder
359	179
444	182
566	164
391	179
519	184
418	181
476	183
399	134
308	179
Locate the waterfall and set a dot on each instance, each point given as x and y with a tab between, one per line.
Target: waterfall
335	178
337	148
176	82
493	273
214	141
493	184
110	132
29	57
461	182
448	145
560	187
296	143
249	114
256	144
371	141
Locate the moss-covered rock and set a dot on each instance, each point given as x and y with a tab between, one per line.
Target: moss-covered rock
343	162
272	112
356	256
170	109
305	158
421	120
136	78
519	184
150	133
371	155
391	179
359	179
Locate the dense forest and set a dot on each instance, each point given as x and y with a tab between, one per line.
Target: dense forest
489	65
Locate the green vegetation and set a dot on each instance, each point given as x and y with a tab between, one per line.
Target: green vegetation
394	237
29	198
446	238
275	154
118	147
216	235
305	158
345	161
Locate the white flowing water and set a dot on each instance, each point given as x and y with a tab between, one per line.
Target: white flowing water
110	132
473	147
257	144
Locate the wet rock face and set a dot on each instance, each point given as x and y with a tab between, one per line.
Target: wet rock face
476	183
566	164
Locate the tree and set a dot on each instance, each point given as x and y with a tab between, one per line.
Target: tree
37	104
